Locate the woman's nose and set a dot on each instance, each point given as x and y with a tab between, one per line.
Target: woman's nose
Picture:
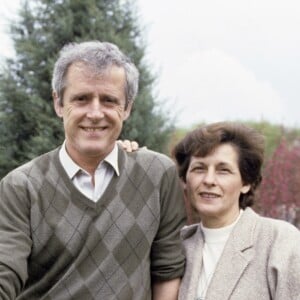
210	177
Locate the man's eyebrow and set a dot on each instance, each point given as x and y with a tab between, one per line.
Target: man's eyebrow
76	94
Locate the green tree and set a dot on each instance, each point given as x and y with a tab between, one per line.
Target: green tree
28	125
274	133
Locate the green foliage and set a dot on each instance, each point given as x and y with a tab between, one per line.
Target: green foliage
273	134
178	134
28	125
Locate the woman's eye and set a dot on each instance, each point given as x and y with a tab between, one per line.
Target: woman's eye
224	171
198	169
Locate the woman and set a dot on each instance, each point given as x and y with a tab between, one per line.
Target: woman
233	253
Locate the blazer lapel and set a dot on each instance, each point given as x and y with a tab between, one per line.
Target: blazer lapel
194	248
237	254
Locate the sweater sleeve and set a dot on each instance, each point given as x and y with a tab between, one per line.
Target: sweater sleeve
167	259
284	264
10	284
15	241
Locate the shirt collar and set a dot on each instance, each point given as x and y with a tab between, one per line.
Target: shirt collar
72	168
112	159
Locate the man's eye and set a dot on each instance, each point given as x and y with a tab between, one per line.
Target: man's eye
81	98
109	100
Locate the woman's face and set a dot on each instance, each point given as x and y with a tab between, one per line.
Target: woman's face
214	184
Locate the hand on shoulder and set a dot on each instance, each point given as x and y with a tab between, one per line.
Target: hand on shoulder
129	146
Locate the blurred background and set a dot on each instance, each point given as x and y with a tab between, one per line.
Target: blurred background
200	62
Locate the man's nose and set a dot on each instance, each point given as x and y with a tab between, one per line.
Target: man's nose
95	109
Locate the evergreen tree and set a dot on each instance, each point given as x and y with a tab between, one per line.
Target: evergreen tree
28	125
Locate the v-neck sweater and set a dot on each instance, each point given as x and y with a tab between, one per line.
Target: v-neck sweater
58	244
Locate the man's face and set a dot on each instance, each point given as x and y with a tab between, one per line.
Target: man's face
93	111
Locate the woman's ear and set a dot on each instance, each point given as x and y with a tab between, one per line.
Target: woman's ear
245	188
184	187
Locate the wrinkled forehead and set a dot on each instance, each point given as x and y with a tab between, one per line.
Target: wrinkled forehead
91	70
81	71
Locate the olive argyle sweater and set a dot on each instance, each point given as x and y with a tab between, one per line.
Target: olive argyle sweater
57	244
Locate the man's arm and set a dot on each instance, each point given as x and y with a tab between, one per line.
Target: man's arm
166	290
15	242
10	285
167	257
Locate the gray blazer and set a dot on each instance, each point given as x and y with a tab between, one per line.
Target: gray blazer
260	261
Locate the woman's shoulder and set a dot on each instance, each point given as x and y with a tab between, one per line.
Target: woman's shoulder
278	226
188	231
274	229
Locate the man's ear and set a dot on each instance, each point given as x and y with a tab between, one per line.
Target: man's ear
127	111
57	105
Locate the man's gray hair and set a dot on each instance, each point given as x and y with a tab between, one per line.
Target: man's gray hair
99	56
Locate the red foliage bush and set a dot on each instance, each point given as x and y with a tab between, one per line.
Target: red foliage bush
279	194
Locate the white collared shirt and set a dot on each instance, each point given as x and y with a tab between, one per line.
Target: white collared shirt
83	180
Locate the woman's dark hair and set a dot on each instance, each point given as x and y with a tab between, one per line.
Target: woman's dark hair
248	143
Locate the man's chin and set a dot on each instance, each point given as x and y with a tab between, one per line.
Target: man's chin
97	150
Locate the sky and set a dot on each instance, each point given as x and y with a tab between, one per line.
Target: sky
217	60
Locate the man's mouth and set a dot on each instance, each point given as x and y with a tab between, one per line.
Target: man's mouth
93	129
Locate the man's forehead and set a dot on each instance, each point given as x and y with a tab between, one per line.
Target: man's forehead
94	70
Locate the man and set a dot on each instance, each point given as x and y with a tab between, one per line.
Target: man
88	220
